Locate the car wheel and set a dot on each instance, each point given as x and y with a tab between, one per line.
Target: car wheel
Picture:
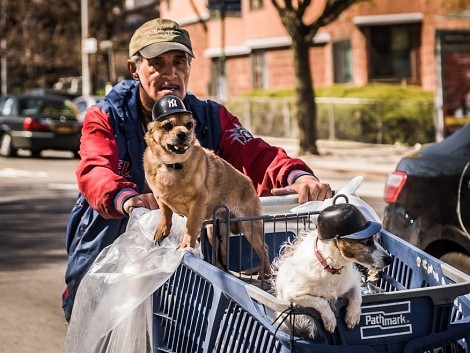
36	153
458	260
6	146
76	155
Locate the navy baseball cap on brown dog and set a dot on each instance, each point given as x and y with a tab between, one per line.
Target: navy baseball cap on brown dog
158	36
168	105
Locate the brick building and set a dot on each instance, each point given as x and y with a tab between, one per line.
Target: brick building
373	41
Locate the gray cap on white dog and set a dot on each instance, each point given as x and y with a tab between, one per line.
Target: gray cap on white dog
345	220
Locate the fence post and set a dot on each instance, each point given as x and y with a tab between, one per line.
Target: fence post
286	118
247	109
331	122
380	122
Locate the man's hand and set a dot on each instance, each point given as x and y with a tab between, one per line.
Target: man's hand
308	188
143	200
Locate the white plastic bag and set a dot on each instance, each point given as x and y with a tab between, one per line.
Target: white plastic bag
113	306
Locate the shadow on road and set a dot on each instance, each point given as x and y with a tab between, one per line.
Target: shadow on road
32	226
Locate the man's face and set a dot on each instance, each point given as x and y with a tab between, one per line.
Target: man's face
165	74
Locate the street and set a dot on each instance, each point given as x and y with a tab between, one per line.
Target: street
36	196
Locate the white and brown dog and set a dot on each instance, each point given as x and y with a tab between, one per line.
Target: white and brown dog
190	180
318	267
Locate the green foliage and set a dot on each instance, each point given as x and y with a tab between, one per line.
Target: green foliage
375	91
374	113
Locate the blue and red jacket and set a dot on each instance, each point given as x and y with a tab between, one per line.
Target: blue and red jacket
111	169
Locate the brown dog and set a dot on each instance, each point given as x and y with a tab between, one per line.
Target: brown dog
190	180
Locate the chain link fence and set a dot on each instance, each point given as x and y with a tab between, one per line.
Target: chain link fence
362	120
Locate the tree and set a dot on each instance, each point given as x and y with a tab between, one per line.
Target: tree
44	38
292	17
43	41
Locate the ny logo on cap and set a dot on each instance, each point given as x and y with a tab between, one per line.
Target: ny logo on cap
172	103
168	105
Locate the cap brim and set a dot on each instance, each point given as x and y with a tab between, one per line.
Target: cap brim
370	229
174	111
156	49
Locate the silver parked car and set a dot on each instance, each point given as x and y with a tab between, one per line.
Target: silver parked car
83	103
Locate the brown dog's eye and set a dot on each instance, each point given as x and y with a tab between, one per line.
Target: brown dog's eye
167	127
189	126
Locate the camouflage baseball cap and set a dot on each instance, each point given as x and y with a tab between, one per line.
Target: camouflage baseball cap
158	36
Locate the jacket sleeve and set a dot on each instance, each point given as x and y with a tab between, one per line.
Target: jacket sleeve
267	166
99	170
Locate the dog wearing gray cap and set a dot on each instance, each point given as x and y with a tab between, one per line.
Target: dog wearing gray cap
191	181
318	267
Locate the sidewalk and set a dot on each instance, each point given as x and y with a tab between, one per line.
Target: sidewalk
348	156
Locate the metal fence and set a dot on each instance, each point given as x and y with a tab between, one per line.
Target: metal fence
356	119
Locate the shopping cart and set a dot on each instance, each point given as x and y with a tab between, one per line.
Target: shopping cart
421	304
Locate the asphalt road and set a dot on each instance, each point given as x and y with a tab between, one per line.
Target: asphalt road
35	199
36	196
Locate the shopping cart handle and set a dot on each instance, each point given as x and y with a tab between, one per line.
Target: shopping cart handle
279	200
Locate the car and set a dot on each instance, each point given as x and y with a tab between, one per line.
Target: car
83	103
38	122
428	199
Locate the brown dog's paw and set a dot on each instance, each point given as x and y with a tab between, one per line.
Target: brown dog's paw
160	234
184	244
159	238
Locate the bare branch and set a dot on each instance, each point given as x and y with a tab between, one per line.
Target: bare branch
332	10
303	5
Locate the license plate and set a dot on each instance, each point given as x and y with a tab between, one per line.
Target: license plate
64	129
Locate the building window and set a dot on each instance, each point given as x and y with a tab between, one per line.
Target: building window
391	49
258	61
342	61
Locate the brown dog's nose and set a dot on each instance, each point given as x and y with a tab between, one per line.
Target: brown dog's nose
181	136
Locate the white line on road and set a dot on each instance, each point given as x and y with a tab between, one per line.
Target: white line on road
62	186
15	173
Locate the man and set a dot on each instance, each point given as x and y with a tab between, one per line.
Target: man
110	173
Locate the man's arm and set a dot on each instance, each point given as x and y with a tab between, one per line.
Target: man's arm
272	171
98	171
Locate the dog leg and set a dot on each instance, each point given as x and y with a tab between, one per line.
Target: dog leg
321	305
353	311
193	226
253	232
164	227
218	246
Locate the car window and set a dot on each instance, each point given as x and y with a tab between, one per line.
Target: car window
8	107
2	102
29	106
39	105
81	106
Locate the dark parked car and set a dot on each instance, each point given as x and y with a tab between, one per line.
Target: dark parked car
428	199
36	123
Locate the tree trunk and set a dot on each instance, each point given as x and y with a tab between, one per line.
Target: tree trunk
305	98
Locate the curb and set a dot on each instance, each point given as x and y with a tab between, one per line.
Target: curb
373	160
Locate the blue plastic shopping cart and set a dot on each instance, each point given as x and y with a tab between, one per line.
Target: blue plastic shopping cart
422	305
